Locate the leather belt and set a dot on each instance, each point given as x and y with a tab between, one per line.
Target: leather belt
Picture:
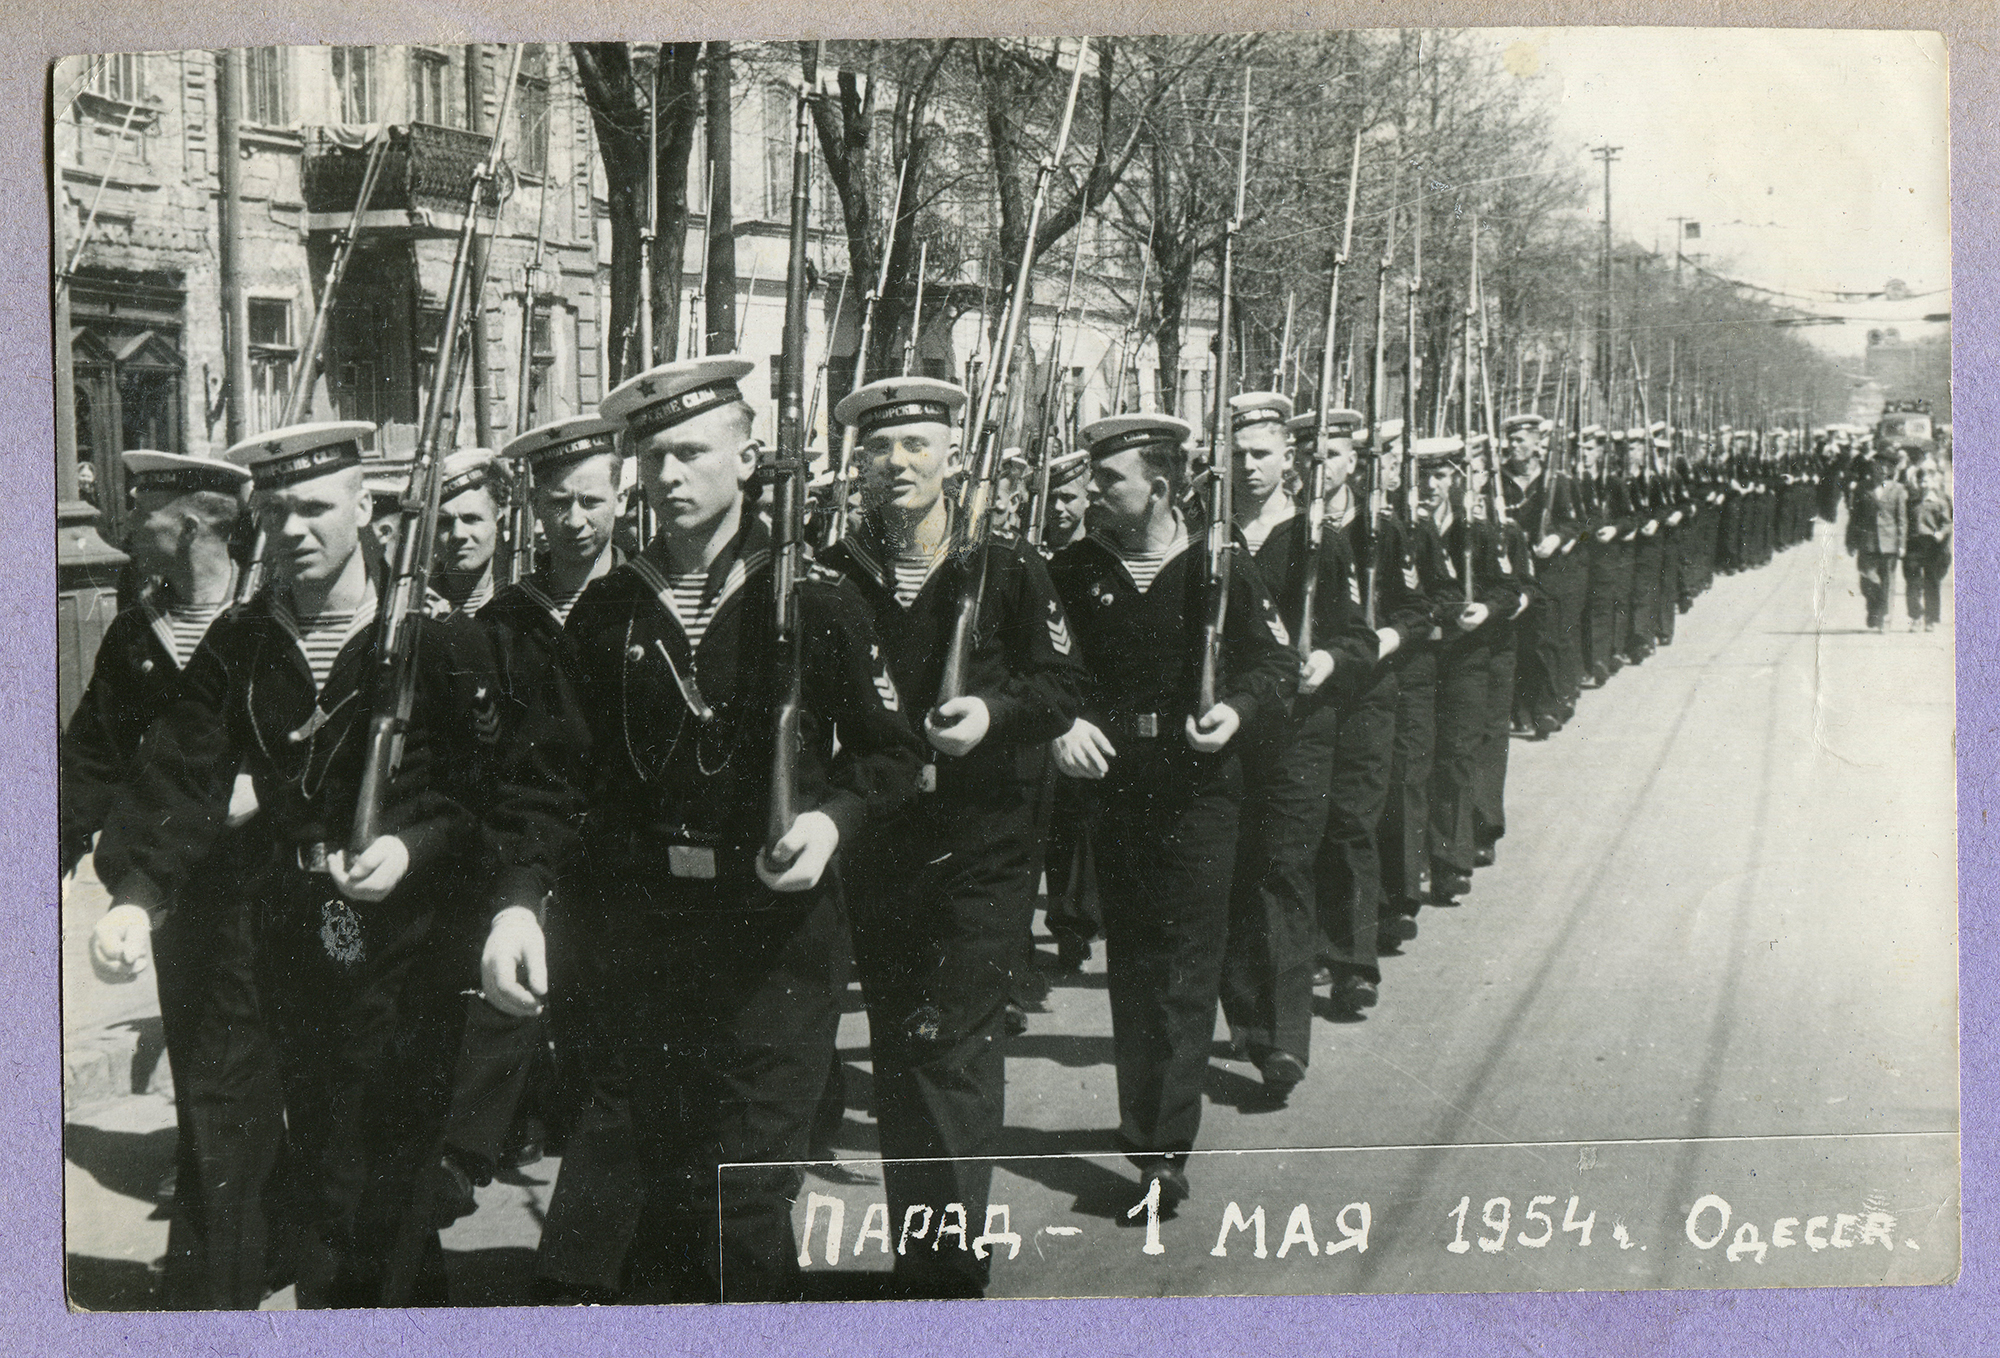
1135	725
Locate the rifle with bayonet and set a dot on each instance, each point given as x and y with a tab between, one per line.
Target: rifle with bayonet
1316	477
1038	506
917	309
787	471
399	623
843	466
1222	443
976	500
518	526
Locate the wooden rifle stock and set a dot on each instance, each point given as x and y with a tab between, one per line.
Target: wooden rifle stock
975	507
520	526
788	487
1222	443
1038	506
399	621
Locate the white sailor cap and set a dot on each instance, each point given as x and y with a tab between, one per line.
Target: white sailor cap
900	400
674	393
1447	448
1592	431
1116	433
1533	423
1252	408
1339	424
470	469
1386	433
177	474
299	452
562	442
1066	467
387	474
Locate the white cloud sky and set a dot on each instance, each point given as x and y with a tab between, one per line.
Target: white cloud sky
1813	159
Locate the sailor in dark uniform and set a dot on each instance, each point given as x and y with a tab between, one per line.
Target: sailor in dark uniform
1171	782
352	973
575	473
941	893
639	790
1513	560
1267	973
228	1103
1074	917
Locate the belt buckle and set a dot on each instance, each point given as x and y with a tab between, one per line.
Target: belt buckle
1146	725
927	777
691	860
311	857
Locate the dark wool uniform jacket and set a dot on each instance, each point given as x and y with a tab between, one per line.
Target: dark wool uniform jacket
247	698
1025	663
1496	582
525	633
132	681
1144	649
612	749
1339	627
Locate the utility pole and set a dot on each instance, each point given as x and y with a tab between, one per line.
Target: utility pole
1680	234
1607	154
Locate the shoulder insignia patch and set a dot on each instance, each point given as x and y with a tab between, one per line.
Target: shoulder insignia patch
886	687
1354	586
1410	574
485	716
1276	624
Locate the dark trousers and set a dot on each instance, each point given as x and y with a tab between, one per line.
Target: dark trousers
723	1001
1166	846
1462	666
1568	587
1489	777
1643	627
1267	969
1404	840
1924	567
228	1105
362	1001
598	1199
1610	600
937	901
1877	574
1074	912
1347	871
503	1067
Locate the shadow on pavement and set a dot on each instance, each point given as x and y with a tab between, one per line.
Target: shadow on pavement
110	1284
1097	1190
131	1164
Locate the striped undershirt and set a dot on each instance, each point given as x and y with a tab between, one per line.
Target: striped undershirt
563	603
321	635
1257	531
188	624
911	568
687	591
1144	567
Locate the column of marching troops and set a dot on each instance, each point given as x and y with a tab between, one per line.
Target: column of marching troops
567	909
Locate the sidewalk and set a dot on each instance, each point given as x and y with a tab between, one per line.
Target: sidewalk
112	1045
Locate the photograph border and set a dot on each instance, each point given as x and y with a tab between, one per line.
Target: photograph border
1961	1319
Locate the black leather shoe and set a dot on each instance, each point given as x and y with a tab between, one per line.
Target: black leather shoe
1355	993
1447	887
1482	857
1071	955
451	1193
1402	928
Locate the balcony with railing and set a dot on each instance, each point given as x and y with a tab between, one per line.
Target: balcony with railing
426	174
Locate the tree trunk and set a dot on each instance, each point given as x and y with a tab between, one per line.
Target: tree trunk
719	287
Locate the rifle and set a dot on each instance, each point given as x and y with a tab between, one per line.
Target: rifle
1051	394
298	401
1285	344
520	532
977	498
399	624
1651	464
843	467
1129	339
1222	441
1465	404
819	378
1316	479
788	498
917	311
1416	284
1496	487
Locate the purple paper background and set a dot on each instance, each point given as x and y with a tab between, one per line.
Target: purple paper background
1963	1319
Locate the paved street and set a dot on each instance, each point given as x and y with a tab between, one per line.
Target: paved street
1710	988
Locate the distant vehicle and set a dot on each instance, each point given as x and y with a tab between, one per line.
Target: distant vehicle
1904	422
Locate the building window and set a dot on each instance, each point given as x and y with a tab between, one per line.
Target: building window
354	83
777	153
531	126
272	355
119	76
264	86
427	88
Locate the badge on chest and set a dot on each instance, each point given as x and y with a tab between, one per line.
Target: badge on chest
691	860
